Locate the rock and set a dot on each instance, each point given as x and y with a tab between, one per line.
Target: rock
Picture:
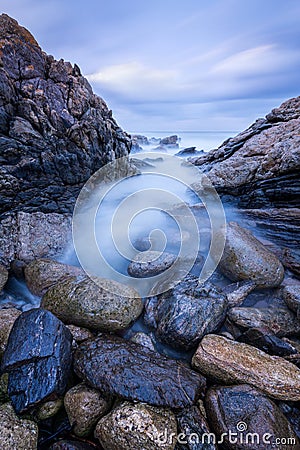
193	431
7	319
150	263
233	362
139	139
245	258
266	340
143	339
190	151
292	413
237	292
17	269
253	416
80	334
137	426
71	445
101	305
55	132
28	236
38	358
279	320
119	367
184	314
170	141
3	277
291	295
48	409
40	274
16	433
84	406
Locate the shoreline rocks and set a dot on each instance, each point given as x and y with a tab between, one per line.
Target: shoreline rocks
232	362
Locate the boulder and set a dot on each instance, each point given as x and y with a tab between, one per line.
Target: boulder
84	406
40	274
137	426
98	304
126	369
184	314
254	423
8	316
38	359
233	362
266	340
3	277
278	319
291	295
16	433
193	431
150	263
170	141
246	258
55	132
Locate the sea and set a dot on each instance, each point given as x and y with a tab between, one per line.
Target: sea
202	140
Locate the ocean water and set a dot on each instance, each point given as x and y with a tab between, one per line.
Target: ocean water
202	140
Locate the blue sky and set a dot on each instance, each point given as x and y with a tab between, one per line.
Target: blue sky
175	65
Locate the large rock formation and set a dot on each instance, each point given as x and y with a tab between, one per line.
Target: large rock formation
54	131
258	170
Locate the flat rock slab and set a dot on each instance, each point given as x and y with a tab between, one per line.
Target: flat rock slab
247	412
38	358
131	371
232	362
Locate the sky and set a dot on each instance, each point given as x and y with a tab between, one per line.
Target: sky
170	65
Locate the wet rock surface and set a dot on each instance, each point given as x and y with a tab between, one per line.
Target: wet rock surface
150	263
84	406
244	410
43	273
184	314
291	296
246	258
101	305
279	319
72	445
192	428
266	340
7	319
137	426
233	362
38	358
55	132
128	370
16	433
3	277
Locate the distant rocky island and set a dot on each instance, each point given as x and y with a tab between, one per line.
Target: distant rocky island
74	374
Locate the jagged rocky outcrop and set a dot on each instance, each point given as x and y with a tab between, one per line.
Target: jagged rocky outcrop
258	171
54	131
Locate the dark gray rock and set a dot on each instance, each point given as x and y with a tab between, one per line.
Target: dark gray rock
150	263
190	151
54	131
184	314
134	372
244	410
266	340
291	296
72	445
38	358
192	426
170	141
279	319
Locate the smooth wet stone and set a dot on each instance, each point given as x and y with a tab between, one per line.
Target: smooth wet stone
84	406
237	292
292	413
291	295
192	431
150	263
16	433
137	426
38	358
280	320
80	334
243	410
184	314
126	369
104	305
246	258
41	274
143	339
266	340
48	409
8	316
3	277
233	362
